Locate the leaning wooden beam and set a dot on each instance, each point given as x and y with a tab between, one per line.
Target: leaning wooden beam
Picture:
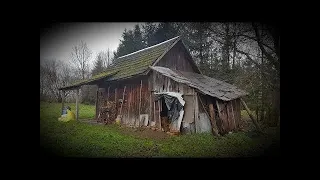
251	116
62	95
77	104
213	121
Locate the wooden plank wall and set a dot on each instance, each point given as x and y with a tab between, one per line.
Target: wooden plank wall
176	59
228	120
229	116
131	99
162	83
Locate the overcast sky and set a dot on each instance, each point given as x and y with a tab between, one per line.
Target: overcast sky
57	42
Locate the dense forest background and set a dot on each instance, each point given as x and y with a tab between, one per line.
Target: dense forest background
244	54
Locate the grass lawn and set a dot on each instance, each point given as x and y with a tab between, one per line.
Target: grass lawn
78	139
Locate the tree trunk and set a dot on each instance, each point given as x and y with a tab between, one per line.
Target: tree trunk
59	98
234	53
275	110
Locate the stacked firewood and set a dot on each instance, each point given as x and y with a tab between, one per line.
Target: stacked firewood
108	113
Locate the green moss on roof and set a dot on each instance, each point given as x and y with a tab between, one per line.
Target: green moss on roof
93	78
131	64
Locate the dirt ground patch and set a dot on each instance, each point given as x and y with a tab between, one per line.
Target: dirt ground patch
144	132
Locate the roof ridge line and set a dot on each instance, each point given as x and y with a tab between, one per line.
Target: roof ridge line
148	47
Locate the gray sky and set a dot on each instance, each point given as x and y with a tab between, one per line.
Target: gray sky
57	42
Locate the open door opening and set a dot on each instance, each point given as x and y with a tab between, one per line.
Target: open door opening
172	111
165	122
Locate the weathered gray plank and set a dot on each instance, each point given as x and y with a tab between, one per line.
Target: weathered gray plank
204	84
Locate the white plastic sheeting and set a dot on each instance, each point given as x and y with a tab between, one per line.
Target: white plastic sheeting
174	94
175	125
204	124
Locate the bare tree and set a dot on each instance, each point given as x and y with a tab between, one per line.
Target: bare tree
42	83
109	58
53	75
80	57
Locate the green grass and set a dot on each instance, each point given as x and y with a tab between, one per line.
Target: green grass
77	139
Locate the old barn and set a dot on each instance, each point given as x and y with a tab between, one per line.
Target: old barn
161	87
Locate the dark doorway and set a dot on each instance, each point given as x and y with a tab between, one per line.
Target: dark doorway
164	116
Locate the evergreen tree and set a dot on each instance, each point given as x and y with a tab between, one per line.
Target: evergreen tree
148	34
98	64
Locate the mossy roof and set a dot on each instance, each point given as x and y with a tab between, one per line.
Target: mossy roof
129	65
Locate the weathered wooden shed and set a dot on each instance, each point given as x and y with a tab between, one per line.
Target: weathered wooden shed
129	88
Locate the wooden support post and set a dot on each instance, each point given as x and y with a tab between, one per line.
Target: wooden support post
97	93
140	102
62	95
213	121
77	104
124	91
159	115
150	108
251	116
129	100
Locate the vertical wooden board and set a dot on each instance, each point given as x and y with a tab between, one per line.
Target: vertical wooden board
136	105
225	114
196	113
231	116
236	125
219	119
189	109
146	98
128	107
159	117
156	113
238	112
223	117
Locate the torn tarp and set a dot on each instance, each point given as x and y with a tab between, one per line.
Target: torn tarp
174	103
